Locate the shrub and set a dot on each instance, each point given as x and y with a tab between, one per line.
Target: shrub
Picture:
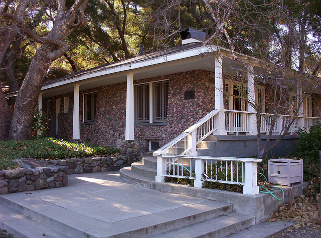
308	148
48	148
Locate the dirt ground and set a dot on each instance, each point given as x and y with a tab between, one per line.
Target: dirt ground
305	211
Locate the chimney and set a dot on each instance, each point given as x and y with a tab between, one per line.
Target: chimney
190	35
141	49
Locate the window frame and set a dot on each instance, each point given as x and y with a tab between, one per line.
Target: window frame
149	103
93	108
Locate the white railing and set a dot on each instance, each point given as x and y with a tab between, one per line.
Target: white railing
179	167
307	122
230	170
266	122
237	121
179	158
186	142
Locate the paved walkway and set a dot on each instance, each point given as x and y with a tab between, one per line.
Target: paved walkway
101	205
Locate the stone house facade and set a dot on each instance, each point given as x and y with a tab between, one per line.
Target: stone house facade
153	98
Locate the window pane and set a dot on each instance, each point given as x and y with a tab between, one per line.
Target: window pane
160	101
90	106
142	103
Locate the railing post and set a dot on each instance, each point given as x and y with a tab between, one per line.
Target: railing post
194	138
160	169
252	128
279	124
250	186
199	170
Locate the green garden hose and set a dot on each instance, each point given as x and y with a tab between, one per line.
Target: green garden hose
270	191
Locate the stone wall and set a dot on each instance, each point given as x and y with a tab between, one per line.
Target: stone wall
109	126
55	172
21	180
92	164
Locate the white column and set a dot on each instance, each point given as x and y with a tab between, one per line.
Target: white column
219	99
39	132
130	116
251	100
58	100
76	122
199	170
250	186
151	112
160	169
299	99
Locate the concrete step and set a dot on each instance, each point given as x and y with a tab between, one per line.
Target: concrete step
21	226
144	171
150	161
128	175
216	227
78	223
263	230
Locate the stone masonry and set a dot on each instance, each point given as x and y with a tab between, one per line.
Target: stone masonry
21	179
109	126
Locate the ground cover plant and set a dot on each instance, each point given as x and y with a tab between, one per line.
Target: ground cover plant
48	148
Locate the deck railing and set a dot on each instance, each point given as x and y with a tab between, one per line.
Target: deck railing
186	143
179	158
230	170
237	121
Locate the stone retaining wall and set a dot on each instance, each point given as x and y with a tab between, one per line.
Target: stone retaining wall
21	180
53	173
92	164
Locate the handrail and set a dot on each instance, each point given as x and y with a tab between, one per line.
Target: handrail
188	131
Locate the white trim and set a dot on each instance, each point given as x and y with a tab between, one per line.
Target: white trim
135	65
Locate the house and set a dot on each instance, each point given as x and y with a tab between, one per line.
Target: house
189	104
153	98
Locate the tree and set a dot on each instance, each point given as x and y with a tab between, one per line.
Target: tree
59	18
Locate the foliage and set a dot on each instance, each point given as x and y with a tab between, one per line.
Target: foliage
48	148
185	181
224	186
308	148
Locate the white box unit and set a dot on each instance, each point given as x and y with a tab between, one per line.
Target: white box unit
285	171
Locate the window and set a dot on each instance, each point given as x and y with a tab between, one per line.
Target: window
90	107
160	101
142	102
153	145
151	102
260	97
307	106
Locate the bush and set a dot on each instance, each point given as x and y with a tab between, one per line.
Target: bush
308	148
48	148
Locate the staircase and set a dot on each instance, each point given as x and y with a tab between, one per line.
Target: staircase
141	172
224	224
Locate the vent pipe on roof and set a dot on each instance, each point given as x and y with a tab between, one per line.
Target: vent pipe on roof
190	35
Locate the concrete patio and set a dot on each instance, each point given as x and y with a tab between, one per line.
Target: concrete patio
103	205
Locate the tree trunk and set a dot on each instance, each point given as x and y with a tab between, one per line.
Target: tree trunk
21	124
5	117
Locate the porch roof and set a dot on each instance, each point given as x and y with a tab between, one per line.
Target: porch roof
174	60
